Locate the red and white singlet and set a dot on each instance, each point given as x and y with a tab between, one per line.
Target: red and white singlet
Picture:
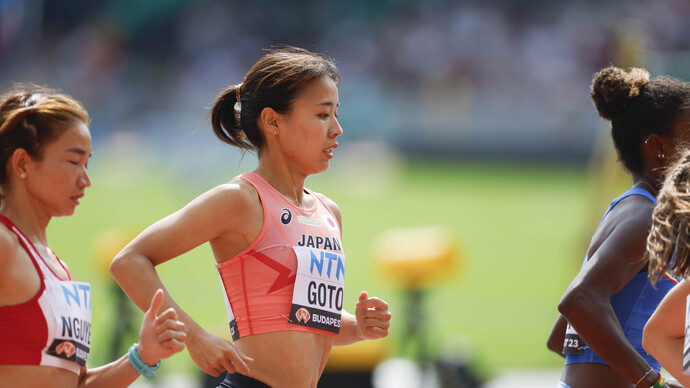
54	327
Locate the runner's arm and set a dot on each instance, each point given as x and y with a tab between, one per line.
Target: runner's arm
195	224
160	337
586	302
370	321
557	336
664	333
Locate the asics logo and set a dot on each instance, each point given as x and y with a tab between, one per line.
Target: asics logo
285	216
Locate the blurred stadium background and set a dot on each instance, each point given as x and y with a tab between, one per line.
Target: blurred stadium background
471	116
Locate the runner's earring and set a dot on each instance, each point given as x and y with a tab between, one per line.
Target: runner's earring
22	175
275	132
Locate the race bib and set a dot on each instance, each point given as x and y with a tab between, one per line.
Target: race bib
573	343
317	300
71	305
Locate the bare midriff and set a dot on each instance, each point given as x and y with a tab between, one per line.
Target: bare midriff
584	374
287	358
35	376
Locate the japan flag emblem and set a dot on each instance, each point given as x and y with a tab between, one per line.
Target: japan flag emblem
330	222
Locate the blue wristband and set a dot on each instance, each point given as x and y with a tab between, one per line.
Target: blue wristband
141	368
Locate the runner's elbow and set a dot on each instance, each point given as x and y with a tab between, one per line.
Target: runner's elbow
115	267
120	265
552	346
574	302
650	338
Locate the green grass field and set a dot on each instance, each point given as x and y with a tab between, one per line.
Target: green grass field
521	228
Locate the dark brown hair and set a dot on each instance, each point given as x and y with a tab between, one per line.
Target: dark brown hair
275	81
670	232
637	107
31	117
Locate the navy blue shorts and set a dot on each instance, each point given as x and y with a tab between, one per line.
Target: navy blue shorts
236	380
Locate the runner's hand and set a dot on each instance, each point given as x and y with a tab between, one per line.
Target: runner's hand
215	355
162	335
373	317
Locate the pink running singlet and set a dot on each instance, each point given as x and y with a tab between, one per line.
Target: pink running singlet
292	276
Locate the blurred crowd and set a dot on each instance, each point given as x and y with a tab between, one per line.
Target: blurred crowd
437	77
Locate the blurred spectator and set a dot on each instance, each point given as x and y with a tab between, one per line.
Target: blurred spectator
491	78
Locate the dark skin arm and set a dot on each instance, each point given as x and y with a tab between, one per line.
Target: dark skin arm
615	257
557	336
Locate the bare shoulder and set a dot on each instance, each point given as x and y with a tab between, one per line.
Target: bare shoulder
626	227
238	202
635	214
239	217
220	214
236	195
18	280
8	246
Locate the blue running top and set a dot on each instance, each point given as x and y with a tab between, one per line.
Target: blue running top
633	305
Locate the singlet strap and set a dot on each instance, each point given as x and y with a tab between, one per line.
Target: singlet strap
323	204
629	192
10	225
32	251
26	244
258	181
